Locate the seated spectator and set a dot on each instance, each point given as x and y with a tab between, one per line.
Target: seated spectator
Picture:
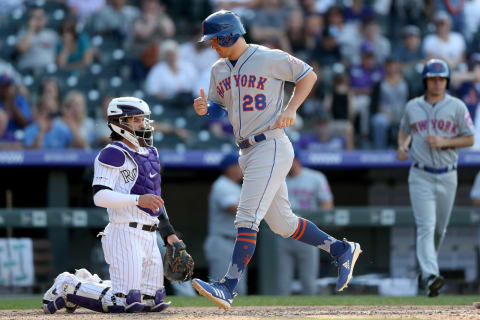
102	132
170	77
37	44
445	44
83	9
116	18
49	88
357	12
409	53
75	117
339	103
240	7
347	35
268	26
15	110
323	138
200	52
296	35
389	98
362	79
48	131
327	50
149	29
371	34
74	51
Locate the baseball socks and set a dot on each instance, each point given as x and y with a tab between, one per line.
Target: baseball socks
242	253
309	233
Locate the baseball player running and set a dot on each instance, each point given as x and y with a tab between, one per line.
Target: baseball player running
126	182
437	124
247	81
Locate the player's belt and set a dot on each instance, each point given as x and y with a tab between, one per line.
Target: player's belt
144	227
247	143
250	141
434	170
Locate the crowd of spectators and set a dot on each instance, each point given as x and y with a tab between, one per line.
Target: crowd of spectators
63	60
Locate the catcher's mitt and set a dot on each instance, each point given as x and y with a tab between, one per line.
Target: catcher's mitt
177	263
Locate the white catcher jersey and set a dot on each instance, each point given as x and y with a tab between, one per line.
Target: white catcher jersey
449	118
121	179
252	90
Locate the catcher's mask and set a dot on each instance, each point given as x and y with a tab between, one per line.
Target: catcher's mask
120	109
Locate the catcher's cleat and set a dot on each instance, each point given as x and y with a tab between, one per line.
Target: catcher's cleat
217	292
346	263
434	284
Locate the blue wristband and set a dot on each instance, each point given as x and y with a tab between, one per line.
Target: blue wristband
215	111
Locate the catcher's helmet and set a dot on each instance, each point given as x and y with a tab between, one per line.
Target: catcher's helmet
122	108
225	25
436	68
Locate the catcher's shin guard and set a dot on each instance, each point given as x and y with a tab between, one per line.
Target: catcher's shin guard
50	307
133	301
157	303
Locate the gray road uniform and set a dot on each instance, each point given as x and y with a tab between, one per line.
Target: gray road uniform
221	231
305	192
252	93
475	192
433	176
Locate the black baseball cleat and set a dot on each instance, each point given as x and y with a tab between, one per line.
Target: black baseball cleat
434	284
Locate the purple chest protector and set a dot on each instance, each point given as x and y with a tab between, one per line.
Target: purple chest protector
148	175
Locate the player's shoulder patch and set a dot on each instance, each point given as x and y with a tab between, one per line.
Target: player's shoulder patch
112	157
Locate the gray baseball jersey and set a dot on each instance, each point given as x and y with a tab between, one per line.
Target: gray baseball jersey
432	194
255	82
221	229
448	118
475	192
305	192
224	194
308	189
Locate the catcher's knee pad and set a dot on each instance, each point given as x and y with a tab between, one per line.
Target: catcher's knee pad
50	307
156	303
133	301
93	296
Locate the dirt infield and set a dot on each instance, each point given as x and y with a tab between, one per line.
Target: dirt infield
320	312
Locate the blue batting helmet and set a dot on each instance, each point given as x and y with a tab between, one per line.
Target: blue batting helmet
436	68
225	25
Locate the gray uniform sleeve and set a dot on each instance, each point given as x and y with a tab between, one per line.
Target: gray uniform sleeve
212	91
324	193
226	196
286	67
464	120
475	192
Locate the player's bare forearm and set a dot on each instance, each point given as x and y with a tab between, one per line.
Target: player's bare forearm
403	143
302	90
171	239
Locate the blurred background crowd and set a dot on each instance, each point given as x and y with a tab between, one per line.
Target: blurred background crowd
63	60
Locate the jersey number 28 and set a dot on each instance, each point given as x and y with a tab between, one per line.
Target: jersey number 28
260	102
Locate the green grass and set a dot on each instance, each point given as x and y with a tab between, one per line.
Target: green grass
29	302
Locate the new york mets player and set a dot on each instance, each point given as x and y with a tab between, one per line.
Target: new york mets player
437	124
126	182
247	81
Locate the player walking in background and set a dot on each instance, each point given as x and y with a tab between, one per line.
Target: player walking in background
248	81
126	182
307	190
437	124
222	208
